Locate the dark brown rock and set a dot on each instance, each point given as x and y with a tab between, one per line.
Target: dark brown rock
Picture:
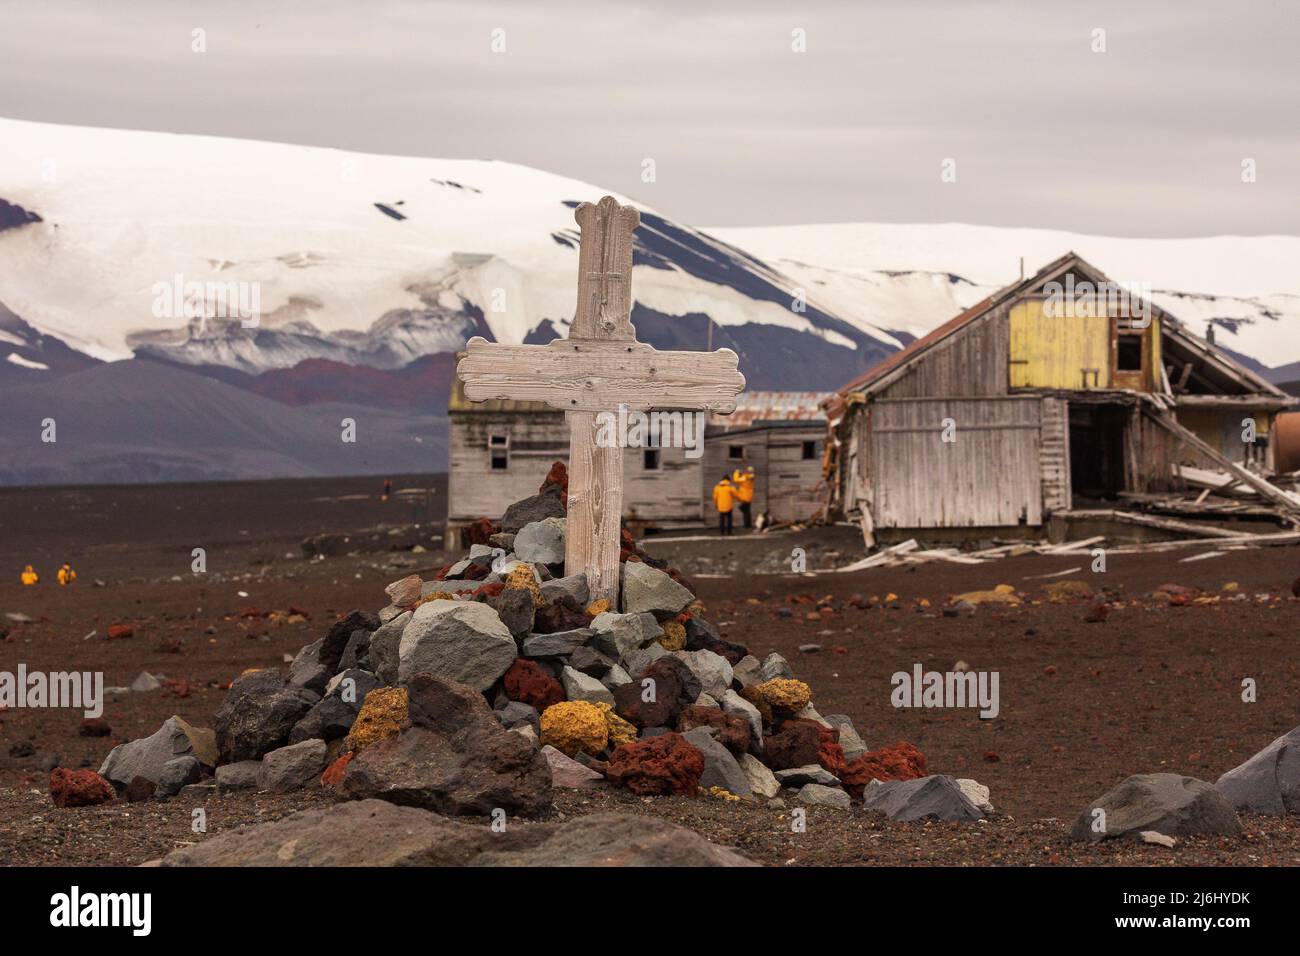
455	759
796	744
732	729
675	688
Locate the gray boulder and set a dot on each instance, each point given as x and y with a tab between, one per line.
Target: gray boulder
773	666
383	648
1268	782
812	773
241	775
514	714
617	635
579	686
456	758
572	585
937	797
761	780
148	756
817	795
547	504
720	767
463	641
307	669
849	740
636	661
375	833
541	542
177	773
747	669
292	767
649	589
1166	802
712	670
558	644
258	715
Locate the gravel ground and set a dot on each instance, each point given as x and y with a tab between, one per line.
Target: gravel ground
1152	688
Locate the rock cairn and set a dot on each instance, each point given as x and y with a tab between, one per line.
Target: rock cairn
482	688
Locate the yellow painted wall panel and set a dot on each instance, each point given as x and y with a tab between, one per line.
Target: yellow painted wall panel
1049	351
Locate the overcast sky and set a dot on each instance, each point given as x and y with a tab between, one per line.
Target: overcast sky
1145	139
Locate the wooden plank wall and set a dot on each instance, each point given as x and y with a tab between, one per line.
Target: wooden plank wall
990	476
971	362
785	484
1054	454
667	495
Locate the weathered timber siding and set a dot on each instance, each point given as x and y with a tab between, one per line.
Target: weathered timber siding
667	495
971	362
1054	454
786	486
989	477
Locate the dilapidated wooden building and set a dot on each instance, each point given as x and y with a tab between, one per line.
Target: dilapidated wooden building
782	436
1052	391
500	450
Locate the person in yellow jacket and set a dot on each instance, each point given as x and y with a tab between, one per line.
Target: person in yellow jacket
30	577
66	574
724	499
744	481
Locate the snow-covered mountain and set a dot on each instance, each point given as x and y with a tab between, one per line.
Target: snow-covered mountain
367	272
910	278
355	258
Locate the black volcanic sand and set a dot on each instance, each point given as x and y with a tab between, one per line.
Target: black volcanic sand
1153	688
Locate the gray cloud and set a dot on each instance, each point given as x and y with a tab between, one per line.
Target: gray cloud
1145	139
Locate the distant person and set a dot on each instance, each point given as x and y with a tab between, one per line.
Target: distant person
724	499
30	577
66	574
744	481
388	489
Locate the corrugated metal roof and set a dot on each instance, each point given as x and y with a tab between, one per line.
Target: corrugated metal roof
754	407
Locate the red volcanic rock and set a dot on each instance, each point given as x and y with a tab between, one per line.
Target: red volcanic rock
119	632
557	477
479	530
733	729
489	590
526	682
660	766
796	744
78	788
901	761
333	775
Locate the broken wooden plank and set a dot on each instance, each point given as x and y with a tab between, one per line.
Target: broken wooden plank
1289	505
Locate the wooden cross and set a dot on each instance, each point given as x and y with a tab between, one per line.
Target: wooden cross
599	367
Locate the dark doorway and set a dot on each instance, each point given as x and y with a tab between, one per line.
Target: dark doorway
1097	450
